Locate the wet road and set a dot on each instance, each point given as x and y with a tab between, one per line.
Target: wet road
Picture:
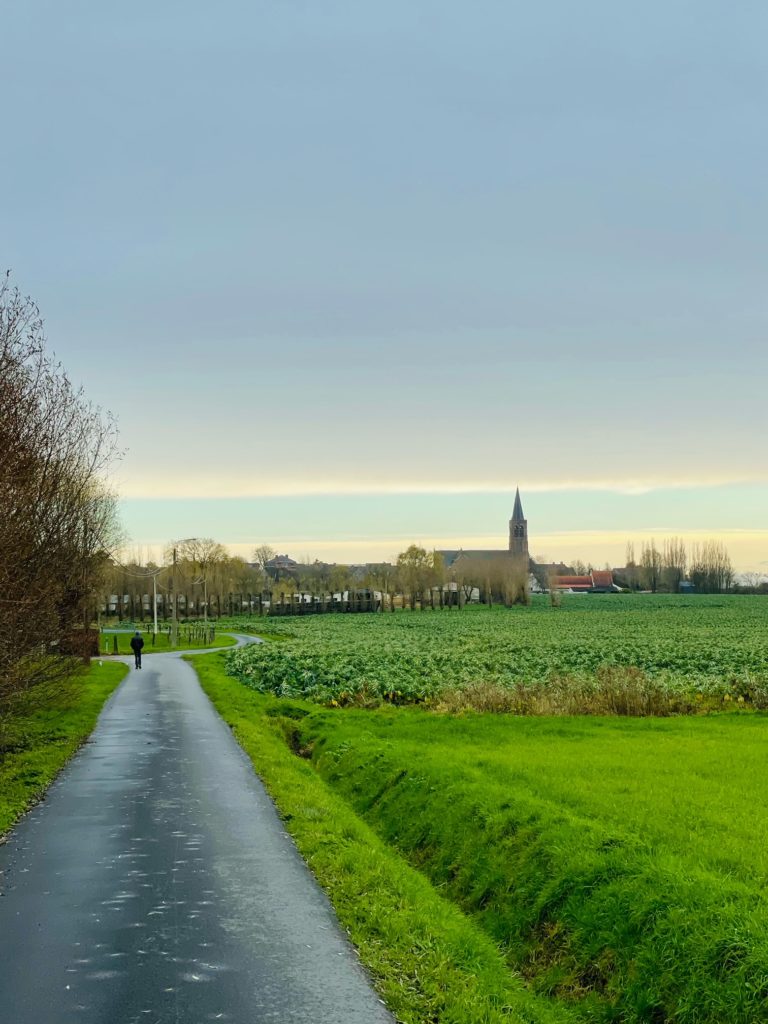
156	883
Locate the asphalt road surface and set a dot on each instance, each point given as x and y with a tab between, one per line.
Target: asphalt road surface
156	883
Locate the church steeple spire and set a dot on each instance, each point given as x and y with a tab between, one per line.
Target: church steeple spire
518	530
517	511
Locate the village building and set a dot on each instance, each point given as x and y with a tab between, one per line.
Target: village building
541	575
599	581
495	567
280	566
517	549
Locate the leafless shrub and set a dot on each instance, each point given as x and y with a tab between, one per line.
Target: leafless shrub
486	697
613	690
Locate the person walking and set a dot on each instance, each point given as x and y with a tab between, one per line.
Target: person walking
137	642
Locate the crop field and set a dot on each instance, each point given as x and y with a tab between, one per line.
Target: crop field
706	648
619	864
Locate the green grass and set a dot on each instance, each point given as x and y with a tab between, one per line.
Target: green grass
428	960
45	731
621	864
162	644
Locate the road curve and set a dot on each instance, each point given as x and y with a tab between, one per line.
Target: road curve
156	883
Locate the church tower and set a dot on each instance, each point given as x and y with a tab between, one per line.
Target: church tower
518	530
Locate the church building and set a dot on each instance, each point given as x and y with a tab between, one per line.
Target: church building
518	531
517	550
517	554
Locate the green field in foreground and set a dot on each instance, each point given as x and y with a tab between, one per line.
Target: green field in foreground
43	733
618	865
429	961
621	863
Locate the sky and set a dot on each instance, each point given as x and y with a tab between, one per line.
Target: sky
348	273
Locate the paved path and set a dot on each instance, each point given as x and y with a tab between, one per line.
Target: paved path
156	883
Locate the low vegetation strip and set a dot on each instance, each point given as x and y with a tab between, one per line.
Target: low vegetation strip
429	961
629	654
43	728
113	642
617	862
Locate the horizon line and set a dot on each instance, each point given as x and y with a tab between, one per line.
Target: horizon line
212	490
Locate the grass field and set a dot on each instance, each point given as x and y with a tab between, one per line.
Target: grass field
621	863
617	865
703	648
161	644
43	733
429	960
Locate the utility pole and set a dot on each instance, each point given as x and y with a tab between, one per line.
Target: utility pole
203	580
174	620
154	603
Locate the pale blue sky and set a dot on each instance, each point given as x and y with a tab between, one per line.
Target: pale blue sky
417	245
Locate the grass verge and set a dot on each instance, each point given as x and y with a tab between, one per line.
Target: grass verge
619	863
45	731
429	962
161	645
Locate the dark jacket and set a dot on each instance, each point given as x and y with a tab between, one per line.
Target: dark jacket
137	642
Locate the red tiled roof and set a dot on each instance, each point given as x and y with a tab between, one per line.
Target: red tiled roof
573	581
602	578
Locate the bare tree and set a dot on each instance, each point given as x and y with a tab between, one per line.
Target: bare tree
203	555
339	579
381	576
711	570
57	519
675	561
650	566
263	554
415	567
502	578
630	576
467	577
753	580
553	585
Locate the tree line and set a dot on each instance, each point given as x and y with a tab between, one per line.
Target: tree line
202	579
58	520
667	565
207	581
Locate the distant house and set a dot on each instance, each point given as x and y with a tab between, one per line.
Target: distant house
602	579
598	582
280	566
575	583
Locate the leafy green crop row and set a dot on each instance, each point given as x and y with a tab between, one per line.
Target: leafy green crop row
715	646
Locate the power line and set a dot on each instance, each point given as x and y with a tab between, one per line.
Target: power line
141	575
